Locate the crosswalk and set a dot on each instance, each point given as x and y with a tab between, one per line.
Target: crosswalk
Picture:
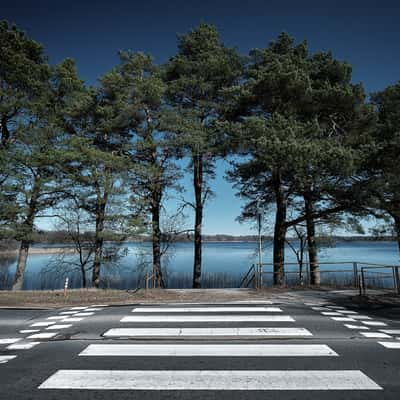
224	331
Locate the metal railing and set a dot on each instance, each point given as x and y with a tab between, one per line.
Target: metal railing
337	273
392	275
249	278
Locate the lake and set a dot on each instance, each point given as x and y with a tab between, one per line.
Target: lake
224	264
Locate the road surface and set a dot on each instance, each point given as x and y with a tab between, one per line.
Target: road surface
285	348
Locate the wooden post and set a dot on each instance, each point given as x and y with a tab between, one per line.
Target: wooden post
66	286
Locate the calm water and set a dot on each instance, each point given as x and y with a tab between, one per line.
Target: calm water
224	264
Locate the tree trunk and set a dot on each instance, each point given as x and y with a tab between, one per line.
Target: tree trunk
25	242
279	234
198	189
21	264
99	239
83	274
315	273
98	247
397	228
155	216
5	133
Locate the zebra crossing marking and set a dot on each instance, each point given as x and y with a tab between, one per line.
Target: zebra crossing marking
9	340
43	335
59	327
22	346
5	359
343	319
375	335
207	318
374	323
209	350
71	319
42	324
390	345
204	309
390	331
237	380
360	327
84	314
204	331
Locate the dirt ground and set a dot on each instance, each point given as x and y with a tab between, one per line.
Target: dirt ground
56	298
47	299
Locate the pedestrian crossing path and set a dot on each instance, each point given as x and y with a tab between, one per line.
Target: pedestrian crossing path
214	334
361	323
50	324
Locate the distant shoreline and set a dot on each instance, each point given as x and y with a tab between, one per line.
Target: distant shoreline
48	248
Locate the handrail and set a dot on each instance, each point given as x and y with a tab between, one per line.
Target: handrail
251	270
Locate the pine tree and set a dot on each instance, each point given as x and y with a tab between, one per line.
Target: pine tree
151	152
383	162
196	77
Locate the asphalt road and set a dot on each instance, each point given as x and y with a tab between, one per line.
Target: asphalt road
283	350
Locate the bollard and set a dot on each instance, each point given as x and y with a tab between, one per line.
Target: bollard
66	286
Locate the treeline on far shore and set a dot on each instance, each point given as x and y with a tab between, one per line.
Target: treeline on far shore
63	237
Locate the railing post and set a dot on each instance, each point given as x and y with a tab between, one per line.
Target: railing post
261	278
397	279
363	281
355	272
147	280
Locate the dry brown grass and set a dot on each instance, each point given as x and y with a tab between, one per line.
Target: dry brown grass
56	298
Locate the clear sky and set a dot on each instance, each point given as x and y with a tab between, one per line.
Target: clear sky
365	33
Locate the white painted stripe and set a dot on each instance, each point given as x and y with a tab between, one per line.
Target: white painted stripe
209	350
337	307
331	313
343	319
99	305
69	312
360	327
4	359
207	318
23	346
43	323
43	335
228	332
56	317
83	314
73	319
374	323
318	308
390	345
379	335
205	309
391	331
29	330
10	340
78	308
209	380
349	312
360	317
93	309
59	326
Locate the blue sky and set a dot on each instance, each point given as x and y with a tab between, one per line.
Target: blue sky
364	33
